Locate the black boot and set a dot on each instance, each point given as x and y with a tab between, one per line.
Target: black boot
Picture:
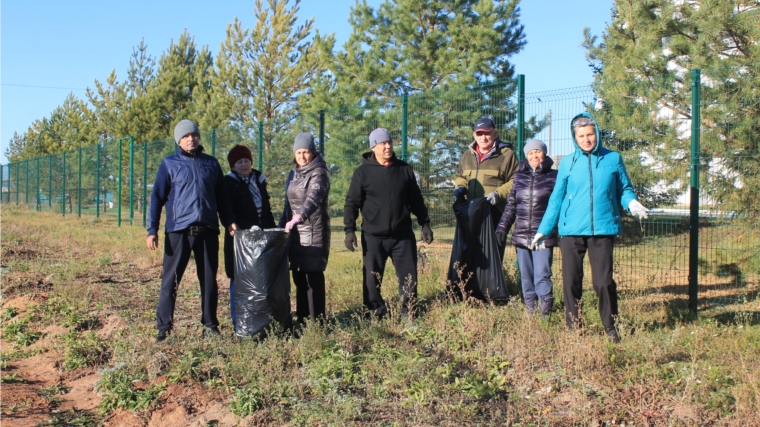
546	306
163	334
530	303
612	335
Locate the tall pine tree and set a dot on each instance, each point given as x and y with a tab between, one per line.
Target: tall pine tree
644	59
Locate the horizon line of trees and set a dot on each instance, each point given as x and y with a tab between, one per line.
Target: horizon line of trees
282	72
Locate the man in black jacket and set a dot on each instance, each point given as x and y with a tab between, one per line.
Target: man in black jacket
385	189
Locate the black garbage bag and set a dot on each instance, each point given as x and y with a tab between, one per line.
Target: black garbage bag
475	259
262	284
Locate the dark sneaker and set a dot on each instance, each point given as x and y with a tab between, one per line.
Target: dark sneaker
209	332
546	307
530	303
163	334
613	336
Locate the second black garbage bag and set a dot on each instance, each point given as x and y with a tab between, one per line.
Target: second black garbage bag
262	283
475	265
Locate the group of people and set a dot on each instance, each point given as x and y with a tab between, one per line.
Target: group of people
579	202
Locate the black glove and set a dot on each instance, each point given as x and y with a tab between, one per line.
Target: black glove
350	241
501	238
460	191
427	234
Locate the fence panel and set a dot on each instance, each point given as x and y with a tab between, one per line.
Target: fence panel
729	223
432	130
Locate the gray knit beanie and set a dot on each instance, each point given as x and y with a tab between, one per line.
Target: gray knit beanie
534	144
305	140
378	136
185	127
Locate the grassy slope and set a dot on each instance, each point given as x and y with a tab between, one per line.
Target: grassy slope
457	364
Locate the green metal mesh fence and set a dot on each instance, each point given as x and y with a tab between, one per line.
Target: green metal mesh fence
729	197
113	180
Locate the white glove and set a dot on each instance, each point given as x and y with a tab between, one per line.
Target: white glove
493	197
539	242
638	210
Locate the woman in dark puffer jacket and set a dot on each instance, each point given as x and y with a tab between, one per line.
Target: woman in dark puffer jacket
306	214
526	205
247	192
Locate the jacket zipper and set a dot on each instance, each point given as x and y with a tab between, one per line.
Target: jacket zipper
530	214
591	192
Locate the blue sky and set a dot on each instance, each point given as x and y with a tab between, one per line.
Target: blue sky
51	48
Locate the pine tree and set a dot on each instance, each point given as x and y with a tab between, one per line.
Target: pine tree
439	53
266	68
643	64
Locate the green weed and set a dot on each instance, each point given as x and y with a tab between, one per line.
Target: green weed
72	417
12	378
118	392
246	401
9	313
84	349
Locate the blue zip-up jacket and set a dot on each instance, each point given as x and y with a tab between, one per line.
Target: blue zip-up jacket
191	188
589	191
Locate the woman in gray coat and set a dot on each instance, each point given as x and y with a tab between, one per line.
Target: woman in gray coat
306	215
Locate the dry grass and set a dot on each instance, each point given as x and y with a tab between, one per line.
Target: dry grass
456	364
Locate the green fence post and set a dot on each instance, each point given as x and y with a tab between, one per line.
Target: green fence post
694	202
213	142
520	116
50	182
63	187
39	208
26	196
131	180
260	148
404	124
97	181
322	132
118	192
145	184
18	179
79	185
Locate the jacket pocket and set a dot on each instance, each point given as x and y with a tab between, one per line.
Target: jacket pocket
369	210
569	202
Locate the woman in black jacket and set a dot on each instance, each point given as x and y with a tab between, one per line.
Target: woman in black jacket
305	213
526	205
247	192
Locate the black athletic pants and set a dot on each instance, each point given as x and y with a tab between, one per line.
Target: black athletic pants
310	295
600	256
402	250
177	248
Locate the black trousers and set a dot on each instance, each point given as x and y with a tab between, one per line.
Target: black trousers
177	249
310	295
402	250
600	256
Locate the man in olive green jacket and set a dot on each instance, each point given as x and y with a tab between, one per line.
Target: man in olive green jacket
486	169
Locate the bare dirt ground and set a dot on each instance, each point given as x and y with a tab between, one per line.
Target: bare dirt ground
37	390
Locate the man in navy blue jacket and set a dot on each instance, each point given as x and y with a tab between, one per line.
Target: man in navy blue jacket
189	184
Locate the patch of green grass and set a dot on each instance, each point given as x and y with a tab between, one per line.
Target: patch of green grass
246	401
84	349
118	392
12	378
72	417
9	313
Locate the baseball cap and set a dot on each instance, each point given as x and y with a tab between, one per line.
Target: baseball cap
483	124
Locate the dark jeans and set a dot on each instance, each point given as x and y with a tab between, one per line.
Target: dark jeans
402	250
177	249
600	256
310	295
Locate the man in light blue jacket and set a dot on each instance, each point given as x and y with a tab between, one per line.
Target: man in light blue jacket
591	186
